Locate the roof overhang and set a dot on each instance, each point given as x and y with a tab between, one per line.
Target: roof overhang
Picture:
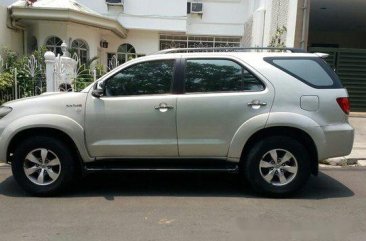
69	15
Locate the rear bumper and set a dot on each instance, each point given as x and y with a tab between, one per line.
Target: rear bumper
337	141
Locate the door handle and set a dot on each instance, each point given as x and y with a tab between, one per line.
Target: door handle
256	104
163	107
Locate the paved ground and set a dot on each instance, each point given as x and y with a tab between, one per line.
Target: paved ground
186	207
359	146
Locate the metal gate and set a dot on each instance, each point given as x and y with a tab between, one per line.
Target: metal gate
350	65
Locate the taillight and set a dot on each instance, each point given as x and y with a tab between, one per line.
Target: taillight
343	102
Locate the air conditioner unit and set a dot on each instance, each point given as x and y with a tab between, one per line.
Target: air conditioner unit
197	8
114	2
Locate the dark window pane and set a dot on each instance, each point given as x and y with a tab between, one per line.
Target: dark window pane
251	83
154	77
114	1
307	70
214	75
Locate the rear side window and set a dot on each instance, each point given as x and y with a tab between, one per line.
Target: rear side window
218	75
312	71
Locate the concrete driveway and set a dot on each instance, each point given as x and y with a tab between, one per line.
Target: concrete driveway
359	147
140	206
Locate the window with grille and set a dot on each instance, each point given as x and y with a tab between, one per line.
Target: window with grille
81	49
125	53
53	44
184	41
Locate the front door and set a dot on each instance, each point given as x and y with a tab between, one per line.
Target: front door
136	117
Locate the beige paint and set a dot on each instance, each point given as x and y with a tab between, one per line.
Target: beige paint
9	38
302	29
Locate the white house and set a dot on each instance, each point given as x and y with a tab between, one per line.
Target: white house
132	28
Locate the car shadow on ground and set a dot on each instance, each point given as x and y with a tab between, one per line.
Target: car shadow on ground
178	184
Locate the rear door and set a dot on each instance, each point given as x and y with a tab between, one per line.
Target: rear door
220	94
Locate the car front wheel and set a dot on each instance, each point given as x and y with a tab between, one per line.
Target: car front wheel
43	165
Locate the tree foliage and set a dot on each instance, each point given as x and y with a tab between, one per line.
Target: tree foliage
30	78
277	40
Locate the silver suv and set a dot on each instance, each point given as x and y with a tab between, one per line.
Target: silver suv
270	116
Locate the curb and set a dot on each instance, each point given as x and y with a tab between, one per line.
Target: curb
358	114
343	162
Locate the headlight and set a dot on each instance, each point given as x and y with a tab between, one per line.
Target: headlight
4	110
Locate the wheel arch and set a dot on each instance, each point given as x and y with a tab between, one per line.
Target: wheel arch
40	131
57	126
296	133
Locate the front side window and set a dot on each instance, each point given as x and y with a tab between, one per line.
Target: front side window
147	78
219	75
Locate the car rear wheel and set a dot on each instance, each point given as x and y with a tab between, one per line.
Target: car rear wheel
277	166
43	165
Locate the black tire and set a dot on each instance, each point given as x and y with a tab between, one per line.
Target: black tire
251	171
66	170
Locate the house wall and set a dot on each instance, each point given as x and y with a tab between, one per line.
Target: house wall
144	42
253	20
9	38
219	18
268	15
90	35
226	18
42	30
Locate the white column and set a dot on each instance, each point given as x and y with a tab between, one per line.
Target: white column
16	83
50	68
291	23
258	28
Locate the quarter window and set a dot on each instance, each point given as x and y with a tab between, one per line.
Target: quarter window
312	71
147	78
219	75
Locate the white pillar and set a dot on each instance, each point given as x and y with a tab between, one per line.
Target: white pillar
50	68
16	83
291	23
258	28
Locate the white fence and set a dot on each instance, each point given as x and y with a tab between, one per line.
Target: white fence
62	73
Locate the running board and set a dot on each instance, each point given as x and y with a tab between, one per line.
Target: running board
138	169
153	166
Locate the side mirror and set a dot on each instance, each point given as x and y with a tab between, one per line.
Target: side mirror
98	90
97	93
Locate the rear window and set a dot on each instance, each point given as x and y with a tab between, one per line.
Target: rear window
312	71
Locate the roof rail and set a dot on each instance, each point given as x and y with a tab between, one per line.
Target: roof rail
228	49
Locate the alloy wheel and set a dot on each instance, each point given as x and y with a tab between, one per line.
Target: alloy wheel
42	166
278	167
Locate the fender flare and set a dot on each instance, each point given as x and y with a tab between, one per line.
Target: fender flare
59	122
277	119
242	135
